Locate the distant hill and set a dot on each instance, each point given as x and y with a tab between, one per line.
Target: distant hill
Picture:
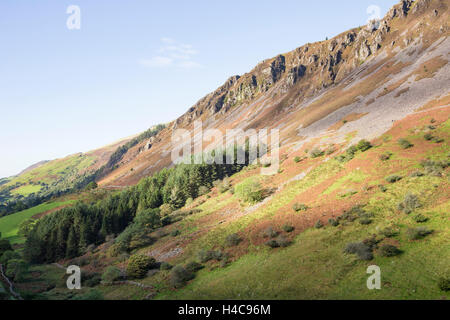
34	166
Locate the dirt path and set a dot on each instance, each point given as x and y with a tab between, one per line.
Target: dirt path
9	283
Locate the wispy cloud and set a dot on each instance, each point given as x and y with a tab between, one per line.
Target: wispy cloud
172	54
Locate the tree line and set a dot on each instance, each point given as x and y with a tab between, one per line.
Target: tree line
69	232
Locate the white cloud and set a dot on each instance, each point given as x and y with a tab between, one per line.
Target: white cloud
156	62
173	54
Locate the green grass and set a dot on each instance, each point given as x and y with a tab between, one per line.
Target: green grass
356	176
60	174
9	225
315	267
26	190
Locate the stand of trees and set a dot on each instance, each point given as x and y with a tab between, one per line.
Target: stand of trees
68	233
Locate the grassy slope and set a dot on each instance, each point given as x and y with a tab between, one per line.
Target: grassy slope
9	225
315	267
55	169
26	190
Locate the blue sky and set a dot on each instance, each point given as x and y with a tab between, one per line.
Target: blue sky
135	63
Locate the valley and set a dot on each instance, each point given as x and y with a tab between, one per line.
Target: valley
363	180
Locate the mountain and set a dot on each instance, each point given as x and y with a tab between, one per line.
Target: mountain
371	76
362	184
33	166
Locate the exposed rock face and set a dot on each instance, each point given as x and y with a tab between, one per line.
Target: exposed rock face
364	51
294	74
330	59
278	68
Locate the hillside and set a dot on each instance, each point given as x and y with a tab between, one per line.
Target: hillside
363	180
48	179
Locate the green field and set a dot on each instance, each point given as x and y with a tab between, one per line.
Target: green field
9	225
57	175
26	190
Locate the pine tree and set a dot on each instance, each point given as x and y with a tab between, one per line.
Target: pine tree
72	244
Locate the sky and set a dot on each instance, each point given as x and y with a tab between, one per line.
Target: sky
133	64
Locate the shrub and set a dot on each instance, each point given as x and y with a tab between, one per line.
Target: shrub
111	274
385	156
138	265
389	232
208	255
316	153
175	233
347	216
272	243
166	209
193	266
393	178
341	158
428	137
362	250
249	191
416	174
270	233
420	218
365	221
348	193
438	140
8	255
297	159
4	246
288	228
382	188
330	150
388	250
409	204
225	261
351	151
333	222
92	279
299	207
434	168
444	284
232	240
364	145
16	269
318	224
282	241
418	233
224	186
371	242
405	144
203	190
165	266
